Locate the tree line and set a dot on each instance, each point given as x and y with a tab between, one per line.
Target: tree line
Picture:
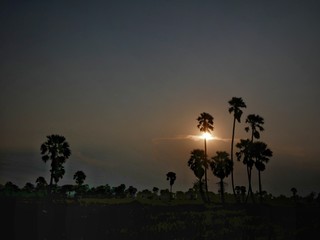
253	153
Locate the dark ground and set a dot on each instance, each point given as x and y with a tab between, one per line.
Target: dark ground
42	219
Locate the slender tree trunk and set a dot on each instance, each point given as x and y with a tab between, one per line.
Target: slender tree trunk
201	191
260	186
171	192
206	167
231	155
249	170
222	190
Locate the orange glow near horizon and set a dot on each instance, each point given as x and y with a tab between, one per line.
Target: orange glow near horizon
207	136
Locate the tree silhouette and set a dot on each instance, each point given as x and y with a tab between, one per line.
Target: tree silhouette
197	163
79	177
261	154
171	176
28	187
41	183
235	107
131	191
205	125
58	151
255	124
245	153
221	166
294	193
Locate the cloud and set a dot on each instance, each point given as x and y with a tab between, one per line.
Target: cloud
188	137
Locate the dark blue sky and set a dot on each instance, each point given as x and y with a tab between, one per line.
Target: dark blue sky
124	82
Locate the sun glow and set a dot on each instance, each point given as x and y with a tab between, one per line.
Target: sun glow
207	136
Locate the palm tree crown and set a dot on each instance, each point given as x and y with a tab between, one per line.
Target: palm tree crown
79	176
255	122
58	151
235	107
221	165
205	122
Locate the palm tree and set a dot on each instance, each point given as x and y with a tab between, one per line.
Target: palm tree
196	164
261	154
294	192
221	166
171	176
255	124
79	176
41	183
235	107
58	151
205	124
245	153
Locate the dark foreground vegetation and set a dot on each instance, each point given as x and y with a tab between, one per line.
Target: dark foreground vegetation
44	218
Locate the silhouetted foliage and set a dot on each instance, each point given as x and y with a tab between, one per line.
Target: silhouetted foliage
57	150
255	124
261	154
79	176
235	107
205	125
198	164
221	166
171	177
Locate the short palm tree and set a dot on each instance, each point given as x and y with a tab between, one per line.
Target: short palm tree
221	166
79	177
245	153
197	163
57	150
261	154
171	176
205	125
235	107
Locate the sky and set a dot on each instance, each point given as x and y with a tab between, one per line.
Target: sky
124	82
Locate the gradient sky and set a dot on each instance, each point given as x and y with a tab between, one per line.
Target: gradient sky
124	82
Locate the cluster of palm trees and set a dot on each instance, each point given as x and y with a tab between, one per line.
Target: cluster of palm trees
250	151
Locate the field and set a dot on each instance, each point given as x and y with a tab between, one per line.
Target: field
133	219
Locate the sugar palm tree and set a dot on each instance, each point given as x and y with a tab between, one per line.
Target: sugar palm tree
255	124
205	125
57	150
196	164
79	177
171	176
261	155
245	153
221	166
235	107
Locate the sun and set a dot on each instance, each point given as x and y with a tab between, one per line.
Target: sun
207	136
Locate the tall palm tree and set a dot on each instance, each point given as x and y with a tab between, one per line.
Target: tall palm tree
57	150
235	107
196	164
171	176
221	166
245	153
205	125
255	124
261	154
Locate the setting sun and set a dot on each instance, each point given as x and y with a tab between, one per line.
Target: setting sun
207	136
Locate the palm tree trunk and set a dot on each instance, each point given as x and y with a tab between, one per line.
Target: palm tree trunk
260	186
249	170
222	190
205	172
231	155
201	191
